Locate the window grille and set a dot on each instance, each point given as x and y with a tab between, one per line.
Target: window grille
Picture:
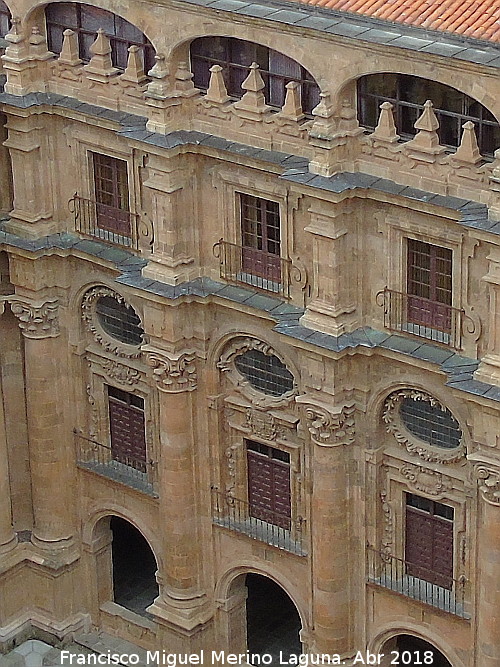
119	320
265	372
431	423
409	93
85	21
235	57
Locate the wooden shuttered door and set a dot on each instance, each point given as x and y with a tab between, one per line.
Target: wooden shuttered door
429	541
260	232
429	285
111	194
269	484
126	423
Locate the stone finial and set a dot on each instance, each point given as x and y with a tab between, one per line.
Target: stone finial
427	136
17	51
159	86
100	66
325	122
468	151
292	107
38	45
217	91
183	84
69	52
253	99
386	128
134	71
348	119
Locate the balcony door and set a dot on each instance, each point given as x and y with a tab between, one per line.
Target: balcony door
111	194
429	285
127	432
429	541
269	484
260	234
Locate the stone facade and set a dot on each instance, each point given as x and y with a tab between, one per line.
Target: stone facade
349	202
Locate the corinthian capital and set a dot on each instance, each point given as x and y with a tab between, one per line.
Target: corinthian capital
329	425
37	319
487	474
172	373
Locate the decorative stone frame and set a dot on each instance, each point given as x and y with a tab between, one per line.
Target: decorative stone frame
236	348
92	324
414	445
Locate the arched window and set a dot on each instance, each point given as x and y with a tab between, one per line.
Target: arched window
408	94
235	57
85	21
5	17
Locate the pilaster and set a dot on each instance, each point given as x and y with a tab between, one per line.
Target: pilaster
489	368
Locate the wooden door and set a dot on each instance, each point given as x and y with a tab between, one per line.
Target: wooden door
260	232
127	430
269	484
111	193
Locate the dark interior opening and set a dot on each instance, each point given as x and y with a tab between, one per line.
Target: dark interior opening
417	647
134	568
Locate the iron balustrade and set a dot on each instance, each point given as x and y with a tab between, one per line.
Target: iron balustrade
249	266
101	459
278	530
411	314
418	583
106	223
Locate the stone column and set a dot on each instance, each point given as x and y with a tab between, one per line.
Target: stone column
181	601
489	368
331	429
488	563
49	444
8	538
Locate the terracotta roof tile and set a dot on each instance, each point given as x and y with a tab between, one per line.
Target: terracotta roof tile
475	18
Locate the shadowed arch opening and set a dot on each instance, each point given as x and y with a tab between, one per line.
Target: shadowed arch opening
5	19
85	21
408	94
133	566
235	57
412	650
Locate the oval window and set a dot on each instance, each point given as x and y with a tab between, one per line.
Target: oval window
119	320
265	372
430	422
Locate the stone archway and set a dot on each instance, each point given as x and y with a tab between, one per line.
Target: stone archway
411	650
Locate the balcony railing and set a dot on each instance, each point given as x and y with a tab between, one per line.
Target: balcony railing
250	266
101	459
418	583
106	223
237	515
422	317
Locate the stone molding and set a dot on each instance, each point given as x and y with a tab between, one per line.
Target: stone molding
414	445
329	427
89	317
426	480
37	319
120	373
487	474
173	374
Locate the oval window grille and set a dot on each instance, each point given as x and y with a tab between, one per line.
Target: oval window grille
265	372
119	320
430	422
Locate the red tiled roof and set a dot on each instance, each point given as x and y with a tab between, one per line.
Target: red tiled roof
474	18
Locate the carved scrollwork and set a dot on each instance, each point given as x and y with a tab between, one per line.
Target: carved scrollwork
173	374
120	373
231	455
412	443
428	481
90	319
329	429
37	319
488	478
239	347
387	535
261	424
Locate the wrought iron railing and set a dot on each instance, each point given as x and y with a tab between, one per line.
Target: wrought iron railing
238	515
419	583
249	266
407	313
106	223
102	459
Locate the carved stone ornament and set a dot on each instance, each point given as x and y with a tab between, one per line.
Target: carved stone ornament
120	373
89	316
37	319
413	444
488	478
329	429
387	536
428	481
173	374
235	349
231	455
261	424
